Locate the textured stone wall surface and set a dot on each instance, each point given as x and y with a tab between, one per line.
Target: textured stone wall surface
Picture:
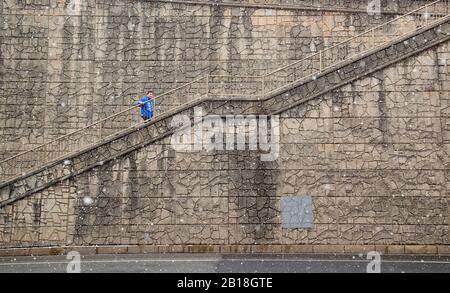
65	64
373	156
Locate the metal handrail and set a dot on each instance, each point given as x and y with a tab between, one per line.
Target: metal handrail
354	37
208	81
97	122
312	64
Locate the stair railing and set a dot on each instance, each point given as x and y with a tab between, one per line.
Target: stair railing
335	52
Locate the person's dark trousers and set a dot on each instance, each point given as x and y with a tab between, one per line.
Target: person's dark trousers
146	118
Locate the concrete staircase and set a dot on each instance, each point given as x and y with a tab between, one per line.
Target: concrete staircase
276	101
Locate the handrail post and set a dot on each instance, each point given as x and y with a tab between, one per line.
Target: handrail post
42	155
207	85
100	131
321	61
263	85
44	151
373	38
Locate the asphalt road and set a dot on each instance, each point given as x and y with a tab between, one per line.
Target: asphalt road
186	263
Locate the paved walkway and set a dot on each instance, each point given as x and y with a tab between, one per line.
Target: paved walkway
188	263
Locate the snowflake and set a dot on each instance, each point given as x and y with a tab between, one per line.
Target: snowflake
87	201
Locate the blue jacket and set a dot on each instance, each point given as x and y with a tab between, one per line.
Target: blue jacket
147	105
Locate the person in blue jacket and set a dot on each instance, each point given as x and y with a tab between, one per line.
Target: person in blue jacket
147	105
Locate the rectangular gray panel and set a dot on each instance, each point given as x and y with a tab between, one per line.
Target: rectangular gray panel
297	212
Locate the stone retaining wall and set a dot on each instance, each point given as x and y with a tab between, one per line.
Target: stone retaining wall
373	156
